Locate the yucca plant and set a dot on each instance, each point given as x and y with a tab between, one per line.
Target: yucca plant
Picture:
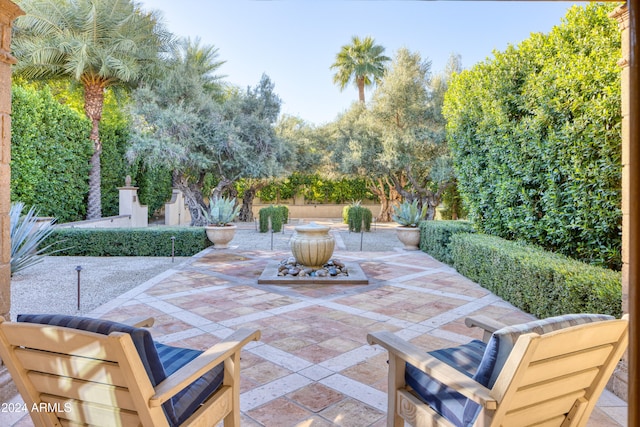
27	235
408	214
222	211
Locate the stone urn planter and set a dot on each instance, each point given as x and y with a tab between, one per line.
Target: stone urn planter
409	215
409	237
220	236
312	245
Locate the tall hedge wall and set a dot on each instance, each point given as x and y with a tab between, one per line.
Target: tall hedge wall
535	134
50	152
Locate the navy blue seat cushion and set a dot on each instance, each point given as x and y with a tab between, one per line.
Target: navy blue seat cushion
482	362
446	401
159	360
188	400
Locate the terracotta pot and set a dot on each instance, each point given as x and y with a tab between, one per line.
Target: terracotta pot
410	237
220	236
312	245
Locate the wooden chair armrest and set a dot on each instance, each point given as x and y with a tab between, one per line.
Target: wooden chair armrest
433	367
201	364
139	321
488	324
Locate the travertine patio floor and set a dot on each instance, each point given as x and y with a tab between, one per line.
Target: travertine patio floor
313	366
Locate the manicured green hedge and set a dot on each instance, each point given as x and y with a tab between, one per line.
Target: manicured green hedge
153	241
50	152
279	216
435	237
535	137
354	216
536	281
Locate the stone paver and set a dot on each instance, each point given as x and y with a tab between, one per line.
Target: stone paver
313	365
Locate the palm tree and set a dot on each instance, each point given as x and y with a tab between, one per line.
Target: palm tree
362	62
98	43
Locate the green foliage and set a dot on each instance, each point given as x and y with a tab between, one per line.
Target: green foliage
50	155
222	211
435	237
453	205
114	135
27	235
358	215
151	241
408	214
109	41
535	133
538	282
97	43
154	186
361	62
315	188
279	216
180	123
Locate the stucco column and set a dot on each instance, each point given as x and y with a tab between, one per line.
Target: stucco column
619	381
633	188
8	12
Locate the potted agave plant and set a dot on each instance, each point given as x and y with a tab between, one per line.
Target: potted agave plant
408	215
222	212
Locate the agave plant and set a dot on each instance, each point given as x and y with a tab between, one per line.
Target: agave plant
408	214
27	235
222	211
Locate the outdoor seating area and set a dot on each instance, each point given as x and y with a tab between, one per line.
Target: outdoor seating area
312	365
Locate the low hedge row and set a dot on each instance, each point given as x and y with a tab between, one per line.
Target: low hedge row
536	281
435	237
279	216
152	241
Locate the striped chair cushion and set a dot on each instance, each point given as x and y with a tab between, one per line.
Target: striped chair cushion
503	340
482	362
141	337
159	360
446	401
188	400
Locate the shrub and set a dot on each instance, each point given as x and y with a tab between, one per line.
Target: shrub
279	215
154	241
356	215
408	214
536	281
27	235
435	237
222	211
50	153
536	141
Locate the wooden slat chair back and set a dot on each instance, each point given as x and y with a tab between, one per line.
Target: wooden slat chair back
70	377
550	379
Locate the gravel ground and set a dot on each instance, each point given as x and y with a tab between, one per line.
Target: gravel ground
51	286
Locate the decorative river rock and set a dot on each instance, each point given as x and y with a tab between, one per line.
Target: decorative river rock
312	245
333	267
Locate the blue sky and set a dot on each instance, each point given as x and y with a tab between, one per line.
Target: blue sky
295	42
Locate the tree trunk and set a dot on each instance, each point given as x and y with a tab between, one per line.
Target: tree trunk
246	212
193	198
360	82
93	102
222	184
386	200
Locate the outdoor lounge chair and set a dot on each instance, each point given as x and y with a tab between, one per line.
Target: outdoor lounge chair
546	373
75	371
